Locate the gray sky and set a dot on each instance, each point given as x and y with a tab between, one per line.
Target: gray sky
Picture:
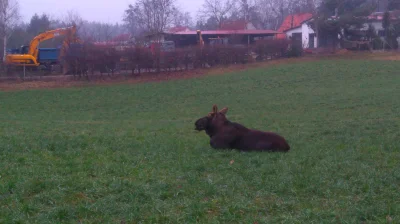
98	10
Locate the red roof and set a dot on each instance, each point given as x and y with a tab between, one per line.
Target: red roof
298	19
234	25
228	32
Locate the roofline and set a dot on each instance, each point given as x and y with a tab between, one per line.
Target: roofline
299	25
307	20
293	28
228	32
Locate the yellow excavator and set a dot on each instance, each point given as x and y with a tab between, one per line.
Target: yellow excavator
28	55
200	40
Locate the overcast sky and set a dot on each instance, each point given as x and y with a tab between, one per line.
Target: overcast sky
93	10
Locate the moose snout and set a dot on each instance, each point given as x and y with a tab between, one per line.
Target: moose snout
201	124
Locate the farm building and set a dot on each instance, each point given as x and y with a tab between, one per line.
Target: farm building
303	35
231	32
296	27
241	37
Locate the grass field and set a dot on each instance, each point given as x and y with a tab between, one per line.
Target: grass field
129	153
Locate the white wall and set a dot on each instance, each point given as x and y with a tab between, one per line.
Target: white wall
305	31
376	25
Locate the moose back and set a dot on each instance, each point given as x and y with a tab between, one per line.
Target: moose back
225	134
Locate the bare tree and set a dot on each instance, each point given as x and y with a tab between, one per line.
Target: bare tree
107	31
9	18
101	31
183	19
219	9
73	18
313	5
150	16
247	9
273	12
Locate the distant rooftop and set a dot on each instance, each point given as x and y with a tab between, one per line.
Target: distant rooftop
379	15
228	32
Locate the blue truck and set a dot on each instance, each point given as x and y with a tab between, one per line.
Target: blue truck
48	55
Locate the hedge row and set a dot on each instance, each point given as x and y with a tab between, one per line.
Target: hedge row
88	58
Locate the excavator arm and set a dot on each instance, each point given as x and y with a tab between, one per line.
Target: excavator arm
200	40
49	35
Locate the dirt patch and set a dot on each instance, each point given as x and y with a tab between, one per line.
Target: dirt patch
68	81
386	56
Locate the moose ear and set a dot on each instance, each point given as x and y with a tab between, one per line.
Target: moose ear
224	110
215	109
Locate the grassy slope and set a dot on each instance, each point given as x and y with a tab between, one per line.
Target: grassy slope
109	154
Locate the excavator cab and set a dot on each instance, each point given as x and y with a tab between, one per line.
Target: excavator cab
24	49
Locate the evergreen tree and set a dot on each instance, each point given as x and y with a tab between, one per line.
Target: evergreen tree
391	31
336	17
38	24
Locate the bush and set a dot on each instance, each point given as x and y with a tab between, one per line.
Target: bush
105	59
295	51
137	58
269	49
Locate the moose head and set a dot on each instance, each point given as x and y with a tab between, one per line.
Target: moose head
226	134
213	120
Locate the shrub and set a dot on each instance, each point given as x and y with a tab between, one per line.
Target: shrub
269	49
295	51
138	57
377	43
105	59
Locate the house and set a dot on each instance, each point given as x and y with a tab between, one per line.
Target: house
161	36
298	28
241	37
231	32
292	21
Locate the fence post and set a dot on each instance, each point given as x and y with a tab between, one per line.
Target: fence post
24	73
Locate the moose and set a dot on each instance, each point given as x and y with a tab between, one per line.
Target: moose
225	134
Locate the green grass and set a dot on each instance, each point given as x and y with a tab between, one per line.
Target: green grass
130	153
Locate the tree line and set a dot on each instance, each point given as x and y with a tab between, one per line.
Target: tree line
334	20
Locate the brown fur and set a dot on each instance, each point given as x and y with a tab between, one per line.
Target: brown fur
225	134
